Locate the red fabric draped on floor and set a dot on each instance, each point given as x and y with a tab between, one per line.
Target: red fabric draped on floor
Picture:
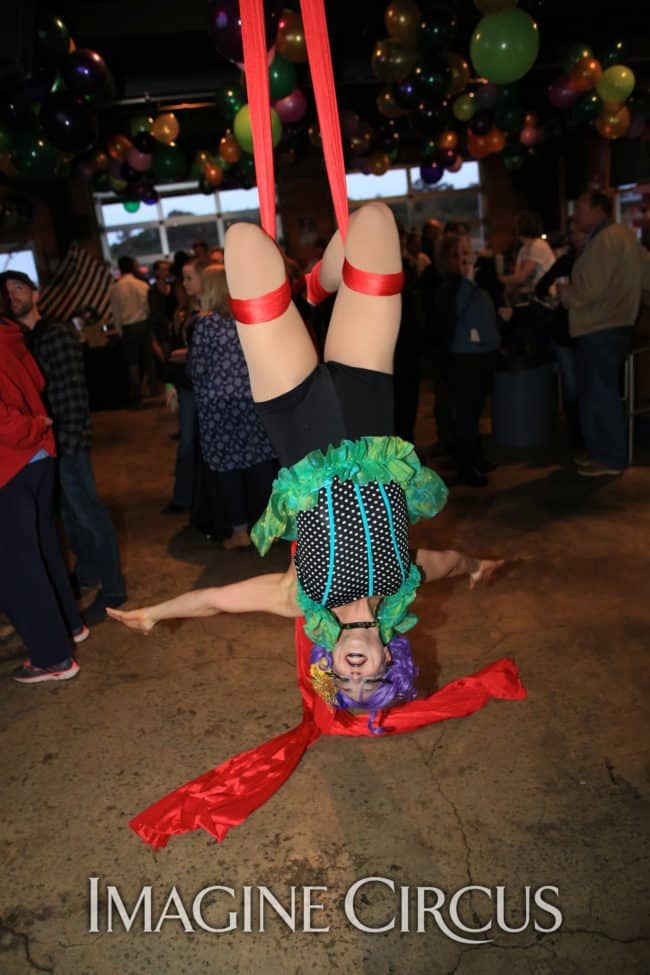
225	796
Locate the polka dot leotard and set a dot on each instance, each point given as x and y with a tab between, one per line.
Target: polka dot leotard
353	543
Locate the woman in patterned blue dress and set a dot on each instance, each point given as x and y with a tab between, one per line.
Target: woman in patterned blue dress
233	441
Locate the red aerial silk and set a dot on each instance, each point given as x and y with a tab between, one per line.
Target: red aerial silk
225	796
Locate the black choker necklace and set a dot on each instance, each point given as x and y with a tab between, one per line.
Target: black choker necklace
363	625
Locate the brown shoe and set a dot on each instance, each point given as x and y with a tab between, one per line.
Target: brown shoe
238	540
595	469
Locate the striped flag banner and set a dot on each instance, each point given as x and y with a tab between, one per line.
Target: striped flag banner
81	282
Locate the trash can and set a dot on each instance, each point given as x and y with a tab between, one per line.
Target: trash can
523	405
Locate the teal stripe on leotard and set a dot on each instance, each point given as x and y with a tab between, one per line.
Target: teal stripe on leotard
391	525
330	515
366	531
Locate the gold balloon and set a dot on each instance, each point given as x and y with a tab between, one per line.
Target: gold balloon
447	139
614	121
229	148
387	106
290	41
586	74
392	61
494	6
212	174
460	72
401	19
378	163
165	128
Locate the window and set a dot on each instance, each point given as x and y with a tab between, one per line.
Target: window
20	259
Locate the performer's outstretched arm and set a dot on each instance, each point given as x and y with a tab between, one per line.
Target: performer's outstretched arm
273	593
445	565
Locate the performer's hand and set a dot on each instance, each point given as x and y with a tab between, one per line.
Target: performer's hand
485	571
135	619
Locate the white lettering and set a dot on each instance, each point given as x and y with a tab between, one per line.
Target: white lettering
549	908
248	910
453	909
94	924
113	898
422	909
174	900
266	895
501	911
350	912
198	915
308	907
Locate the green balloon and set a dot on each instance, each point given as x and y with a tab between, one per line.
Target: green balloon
242	128
587	108
52	39
508	96
574	54
219	161
229	100
283	78
169	163
429	151
142	122
34	157
464	107
131	206
616	84
504	46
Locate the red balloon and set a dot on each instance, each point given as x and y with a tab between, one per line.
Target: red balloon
292	107
561	92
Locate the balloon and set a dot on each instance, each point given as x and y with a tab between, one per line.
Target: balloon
447	157
224	27
529	136
360	143
486	97
431	174
290	42
140	161
561	93
350	122
477	146
437	29
242	128
141	123
292	107
131	206
33	156
575	53
169	162
388	138
388	106
128	173
212	175
144	142
283	78
504	46
84	72
615	54
378	163
496	140
617	83
117	147
586	74
401	19
494	6
587	108
448	139
392	60
200	161
456	165
165	128
430	151
513	159
149	195
436	116
406	93
460	72
614	121
510	118
69	122
432	78
229	149
229	100
314	136
464	107
52	39
246	170
40	83
99	161
481	123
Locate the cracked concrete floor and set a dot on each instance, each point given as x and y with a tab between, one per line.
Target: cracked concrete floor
548	791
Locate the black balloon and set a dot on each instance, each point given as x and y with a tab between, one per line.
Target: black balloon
437	28
406	93
129	173
431	78
224	27
84	72
481	123
69	122
510	118
144	142
39	84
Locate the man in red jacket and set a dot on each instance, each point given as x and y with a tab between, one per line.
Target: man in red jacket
35	590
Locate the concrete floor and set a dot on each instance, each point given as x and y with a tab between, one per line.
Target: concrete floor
548	791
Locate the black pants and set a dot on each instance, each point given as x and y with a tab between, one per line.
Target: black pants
246	492
137	340
470	379
35	590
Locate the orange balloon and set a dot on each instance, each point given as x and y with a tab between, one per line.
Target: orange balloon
392	60
165	128
99	161
448	139
117	146
212	174
401	19
229	148
477	145
586	74
530	120
290	41
460	72
614	122
496	140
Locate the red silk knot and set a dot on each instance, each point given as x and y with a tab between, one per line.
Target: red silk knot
316	293
369	283
255	311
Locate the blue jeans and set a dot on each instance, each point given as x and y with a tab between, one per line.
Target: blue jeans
184	479
600	359
565	356
88	526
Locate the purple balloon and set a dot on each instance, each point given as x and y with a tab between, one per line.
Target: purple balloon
69	123
350	123
292	107
431	174
486	97
224	27
84	71
561	94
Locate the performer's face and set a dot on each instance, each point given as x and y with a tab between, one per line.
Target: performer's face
359	662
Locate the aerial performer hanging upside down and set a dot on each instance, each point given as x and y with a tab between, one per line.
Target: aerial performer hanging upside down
345	496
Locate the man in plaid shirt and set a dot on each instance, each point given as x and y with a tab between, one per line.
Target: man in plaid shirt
90	532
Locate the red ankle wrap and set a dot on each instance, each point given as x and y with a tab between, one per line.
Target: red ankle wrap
316	293
369	283
255	311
